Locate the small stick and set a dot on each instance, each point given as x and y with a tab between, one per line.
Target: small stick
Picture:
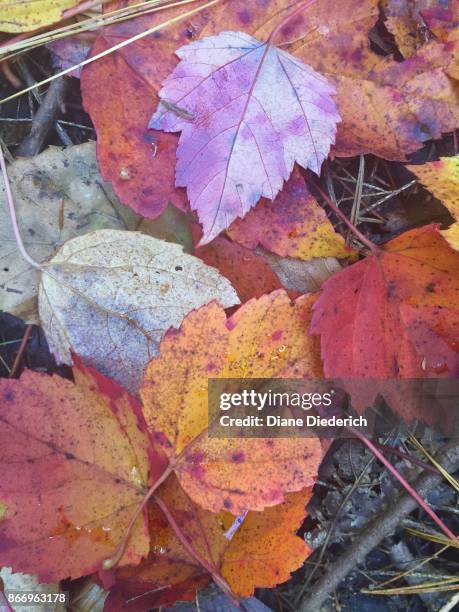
331	528
413	460
207	565
235	526
339	213
10	76
358	192
381	527
44	119
110	563
17	361
414	494
450	604
389	195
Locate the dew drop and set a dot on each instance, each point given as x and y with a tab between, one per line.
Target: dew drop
440	367
159	550
135	476
107	564
124	174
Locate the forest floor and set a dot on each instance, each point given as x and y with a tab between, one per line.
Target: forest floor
351	523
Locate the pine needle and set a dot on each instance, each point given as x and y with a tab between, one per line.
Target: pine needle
434	537
15	47
447	584
120	45
452	481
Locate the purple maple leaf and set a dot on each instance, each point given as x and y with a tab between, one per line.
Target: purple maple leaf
247	111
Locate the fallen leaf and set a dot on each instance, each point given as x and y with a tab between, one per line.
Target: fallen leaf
68	52
302	276
109	296
250	274
23	17
59	194
262	553
418	99
452	236
415	110
390	315
441	17
120	92
404	19
333	37
293	225
265	550
74	460
443	21
441	178
169	573
172	225
265	338
253	273
427	92
235	98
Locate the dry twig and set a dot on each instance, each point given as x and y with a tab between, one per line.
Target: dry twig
44	119
376	531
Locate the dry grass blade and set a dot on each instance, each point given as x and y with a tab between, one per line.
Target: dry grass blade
447	584
55	17
433	537
452	481
121	45
18	45
414	568
358	191
12	3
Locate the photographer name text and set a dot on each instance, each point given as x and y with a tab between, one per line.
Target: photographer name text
270	400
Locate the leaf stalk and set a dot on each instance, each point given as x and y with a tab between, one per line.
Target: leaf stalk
218	579
339	213
12	209
406	485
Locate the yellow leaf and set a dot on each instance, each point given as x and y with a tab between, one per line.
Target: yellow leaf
441	178
452	236
265	338
27	15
